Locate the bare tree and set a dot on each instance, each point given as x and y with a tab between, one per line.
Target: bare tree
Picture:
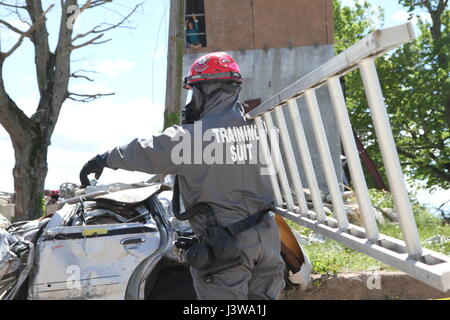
30	136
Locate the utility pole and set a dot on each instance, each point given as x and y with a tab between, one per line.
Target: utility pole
176	46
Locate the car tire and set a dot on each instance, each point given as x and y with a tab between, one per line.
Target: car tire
173	284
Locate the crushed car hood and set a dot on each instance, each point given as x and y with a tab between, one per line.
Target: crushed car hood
133	196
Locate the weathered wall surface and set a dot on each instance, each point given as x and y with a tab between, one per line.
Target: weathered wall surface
259	24
282	23
276	42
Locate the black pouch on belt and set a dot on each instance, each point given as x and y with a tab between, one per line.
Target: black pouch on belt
224	244
218	247
215	245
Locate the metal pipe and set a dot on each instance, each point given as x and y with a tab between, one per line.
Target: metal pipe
390	157
290	159
305	156
326	159
351	153
268	161
279	165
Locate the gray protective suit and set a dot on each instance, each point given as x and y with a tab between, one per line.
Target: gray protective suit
217	162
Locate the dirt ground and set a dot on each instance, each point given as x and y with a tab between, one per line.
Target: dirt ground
380	285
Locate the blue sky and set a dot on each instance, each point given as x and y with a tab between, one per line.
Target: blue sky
133	65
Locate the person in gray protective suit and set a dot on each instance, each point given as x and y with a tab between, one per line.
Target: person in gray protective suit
215	156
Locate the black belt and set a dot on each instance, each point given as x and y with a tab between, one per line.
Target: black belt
247	223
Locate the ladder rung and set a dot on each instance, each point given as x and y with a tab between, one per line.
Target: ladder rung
428	266
374	44
431	267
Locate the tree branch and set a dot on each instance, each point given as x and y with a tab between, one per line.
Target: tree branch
40	41
95	30
19	16
12	28
89	42
97	3
53	71
87	97
14	120
86	5
28	33
75	75
439	173
12	5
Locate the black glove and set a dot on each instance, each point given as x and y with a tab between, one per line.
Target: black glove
95	165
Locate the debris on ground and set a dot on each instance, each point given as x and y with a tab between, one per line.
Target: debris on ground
16	255
5	198
6	209
365	285
4	223
390	213
303	240
437	240
316	238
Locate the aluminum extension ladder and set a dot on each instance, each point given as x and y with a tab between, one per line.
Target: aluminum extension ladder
425	265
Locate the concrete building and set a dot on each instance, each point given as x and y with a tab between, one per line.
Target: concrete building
275	42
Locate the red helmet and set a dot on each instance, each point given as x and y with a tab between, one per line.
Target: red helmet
211	67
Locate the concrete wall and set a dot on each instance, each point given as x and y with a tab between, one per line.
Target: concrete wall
268	71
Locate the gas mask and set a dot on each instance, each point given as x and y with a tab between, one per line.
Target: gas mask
204	93
194	107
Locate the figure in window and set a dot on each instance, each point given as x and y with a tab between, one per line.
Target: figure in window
192	33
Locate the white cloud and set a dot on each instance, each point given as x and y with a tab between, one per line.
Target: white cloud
84	130
108	123
65	165
113	68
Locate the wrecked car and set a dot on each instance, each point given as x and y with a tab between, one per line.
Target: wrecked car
118	245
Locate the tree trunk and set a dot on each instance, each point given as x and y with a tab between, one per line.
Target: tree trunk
29	174
30	136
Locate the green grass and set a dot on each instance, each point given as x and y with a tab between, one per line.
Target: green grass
428	226
332	257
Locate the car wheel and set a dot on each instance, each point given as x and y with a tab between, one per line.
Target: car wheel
173	284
